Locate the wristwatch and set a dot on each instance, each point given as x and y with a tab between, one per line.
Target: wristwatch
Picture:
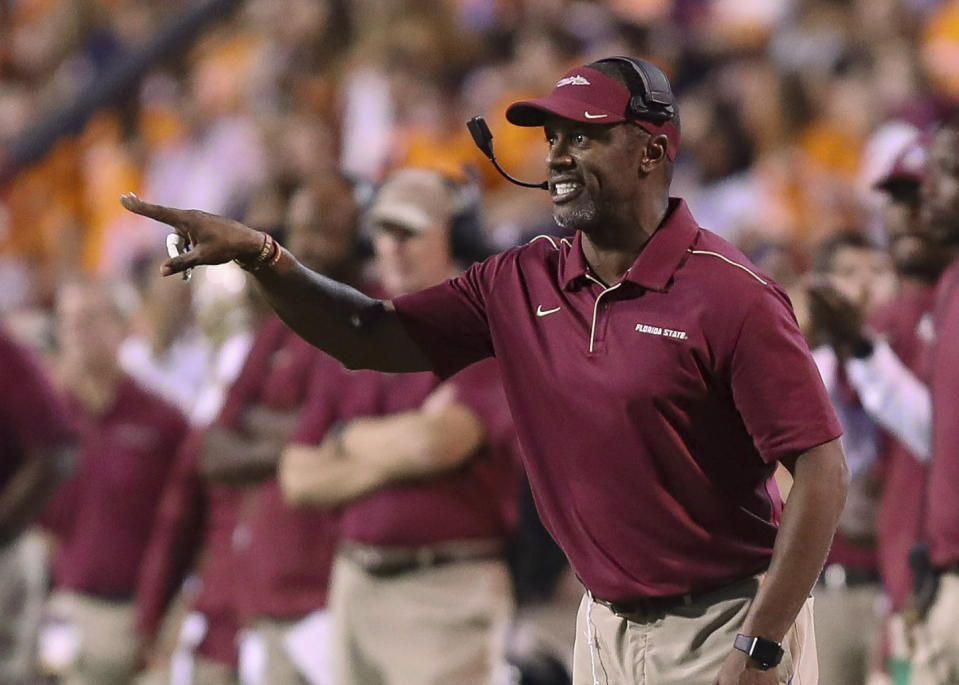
764	654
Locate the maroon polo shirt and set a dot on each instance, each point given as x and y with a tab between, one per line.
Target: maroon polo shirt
942	524
199	518
290	550
31	413
195	519
898	518
476	501
105	513
651	413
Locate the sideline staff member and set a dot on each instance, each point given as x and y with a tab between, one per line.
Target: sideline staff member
654	376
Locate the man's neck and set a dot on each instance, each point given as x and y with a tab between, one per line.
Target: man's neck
610	253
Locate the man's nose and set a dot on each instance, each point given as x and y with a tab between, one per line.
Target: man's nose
558	156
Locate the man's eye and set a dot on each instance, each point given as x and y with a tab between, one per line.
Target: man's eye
579	138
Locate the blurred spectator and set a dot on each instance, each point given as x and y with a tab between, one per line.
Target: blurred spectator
936	658
35	439
878	370
103	515
288	551
784	96
166	353
848	617
428	475
197	529
264	567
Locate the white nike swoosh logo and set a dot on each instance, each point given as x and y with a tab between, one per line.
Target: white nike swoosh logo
546	312
595	116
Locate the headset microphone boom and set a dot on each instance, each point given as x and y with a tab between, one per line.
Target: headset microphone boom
484	141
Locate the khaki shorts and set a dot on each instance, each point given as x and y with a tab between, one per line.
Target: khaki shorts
683	646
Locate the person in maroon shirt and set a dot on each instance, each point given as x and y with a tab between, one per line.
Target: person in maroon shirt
195	527
265	566
936	657
429	480
102	516
654	376
895	337
36	439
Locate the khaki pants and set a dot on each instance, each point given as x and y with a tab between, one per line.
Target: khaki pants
203	672
22	591
278	668
549	627
686	646
848	629
108	643
936	655
435	626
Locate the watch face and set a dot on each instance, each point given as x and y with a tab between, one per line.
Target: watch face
766	653
763	653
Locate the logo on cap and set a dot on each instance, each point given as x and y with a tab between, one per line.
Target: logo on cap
576	80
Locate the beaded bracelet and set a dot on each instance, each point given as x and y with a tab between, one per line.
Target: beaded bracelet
269	254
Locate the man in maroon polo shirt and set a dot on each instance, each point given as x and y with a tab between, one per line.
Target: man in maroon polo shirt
286	553
886	364
848	615
263	565
654	376
936	658
104	514
429	479
35	444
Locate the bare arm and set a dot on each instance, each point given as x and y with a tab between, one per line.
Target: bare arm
820	479
363	333
439	436
31	486
238	459
322	476
371	453
809	521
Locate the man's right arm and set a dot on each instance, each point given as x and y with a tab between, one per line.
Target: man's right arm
362	332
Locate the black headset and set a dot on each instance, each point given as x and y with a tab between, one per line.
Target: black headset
651	95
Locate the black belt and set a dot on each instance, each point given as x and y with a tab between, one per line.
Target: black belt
386	562
654	606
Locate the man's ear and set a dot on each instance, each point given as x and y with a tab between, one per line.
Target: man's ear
654	153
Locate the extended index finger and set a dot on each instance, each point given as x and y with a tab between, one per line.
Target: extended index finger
167	215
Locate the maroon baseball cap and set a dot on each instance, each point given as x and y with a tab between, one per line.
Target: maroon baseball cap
591	97
908	168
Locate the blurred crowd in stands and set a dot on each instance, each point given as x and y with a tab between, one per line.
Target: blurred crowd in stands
290	110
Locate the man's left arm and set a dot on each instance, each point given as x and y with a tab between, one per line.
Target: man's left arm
780	396
805	533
